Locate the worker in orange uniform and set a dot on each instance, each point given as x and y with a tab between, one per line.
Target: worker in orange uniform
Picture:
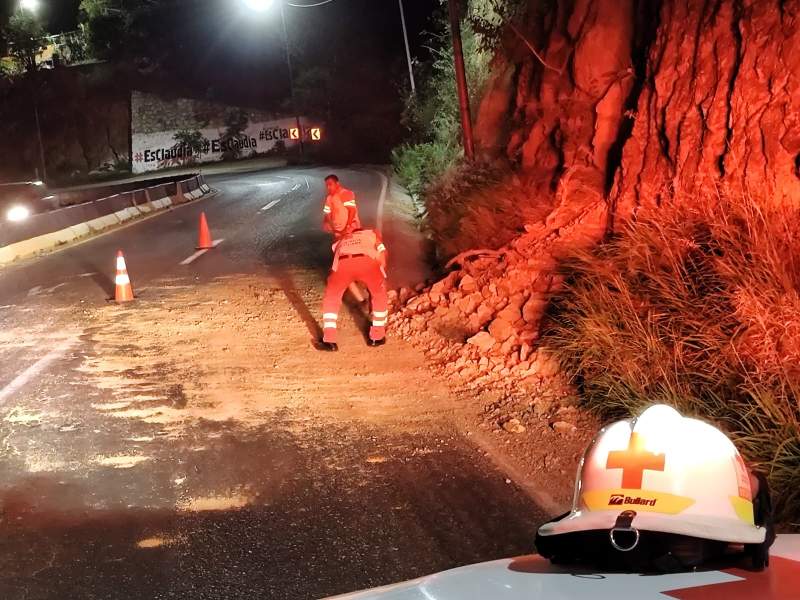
358	256
340	211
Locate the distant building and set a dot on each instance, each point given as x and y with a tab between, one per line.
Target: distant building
64	49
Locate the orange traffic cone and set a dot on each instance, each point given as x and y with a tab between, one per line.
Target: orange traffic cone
123	291
204	241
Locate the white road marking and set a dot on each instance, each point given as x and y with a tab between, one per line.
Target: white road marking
194	256
200	253
296	186
270	205
40	365
308	186
50	290
39	290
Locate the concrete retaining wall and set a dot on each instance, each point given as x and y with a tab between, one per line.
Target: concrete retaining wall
49	230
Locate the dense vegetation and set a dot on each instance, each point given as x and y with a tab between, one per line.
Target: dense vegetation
694	300
696	304
432	115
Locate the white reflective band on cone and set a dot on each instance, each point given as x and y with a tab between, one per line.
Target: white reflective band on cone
120	263
381	314
122	279
350	203
381	248
327	209
330	325
381	323
330	316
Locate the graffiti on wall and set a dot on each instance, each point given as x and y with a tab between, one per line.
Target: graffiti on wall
166	149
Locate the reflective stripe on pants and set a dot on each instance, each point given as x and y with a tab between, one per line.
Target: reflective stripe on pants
368	271
329	327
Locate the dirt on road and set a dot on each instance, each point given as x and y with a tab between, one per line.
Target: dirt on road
197	431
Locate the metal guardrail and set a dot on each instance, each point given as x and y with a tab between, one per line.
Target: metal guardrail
62	218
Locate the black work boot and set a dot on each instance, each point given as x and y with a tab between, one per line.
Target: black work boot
328	347
376	343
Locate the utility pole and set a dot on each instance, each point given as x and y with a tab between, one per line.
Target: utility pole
291	76
39	137
408	49
461	78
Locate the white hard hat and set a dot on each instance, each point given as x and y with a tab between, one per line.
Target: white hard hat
676	475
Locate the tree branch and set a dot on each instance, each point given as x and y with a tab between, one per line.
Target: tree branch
460	259
525	40
530	46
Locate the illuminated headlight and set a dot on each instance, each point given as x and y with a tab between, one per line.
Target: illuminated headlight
18	213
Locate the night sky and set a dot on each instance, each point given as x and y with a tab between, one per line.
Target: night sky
220	49
378	19
223	37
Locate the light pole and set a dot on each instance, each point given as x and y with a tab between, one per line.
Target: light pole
32	6
260	6
454	7
291	77
408	49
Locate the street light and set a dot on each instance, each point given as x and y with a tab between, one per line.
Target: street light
32	6
256	5
262	5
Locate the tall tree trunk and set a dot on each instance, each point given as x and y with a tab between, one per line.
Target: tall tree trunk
632	100
567	107
720	105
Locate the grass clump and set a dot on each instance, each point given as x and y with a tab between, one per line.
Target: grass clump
696	304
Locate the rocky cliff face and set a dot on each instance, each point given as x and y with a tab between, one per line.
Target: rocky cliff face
643	99
604	108
719	105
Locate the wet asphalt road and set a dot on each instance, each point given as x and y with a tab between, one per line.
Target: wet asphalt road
312	531
332	506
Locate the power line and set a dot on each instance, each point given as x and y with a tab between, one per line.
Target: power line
323	3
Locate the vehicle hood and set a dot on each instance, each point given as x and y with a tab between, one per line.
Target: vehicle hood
534	578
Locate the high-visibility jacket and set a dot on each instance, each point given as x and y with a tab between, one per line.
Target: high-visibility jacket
337	210
363	242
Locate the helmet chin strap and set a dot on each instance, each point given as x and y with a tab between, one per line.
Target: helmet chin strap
624	525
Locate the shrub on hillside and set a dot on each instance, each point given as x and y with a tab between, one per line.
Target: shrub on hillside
696	304
419	164
433	117
478	206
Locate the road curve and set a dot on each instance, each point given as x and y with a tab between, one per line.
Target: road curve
194	444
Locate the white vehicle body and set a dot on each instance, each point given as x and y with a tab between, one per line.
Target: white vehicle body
534	578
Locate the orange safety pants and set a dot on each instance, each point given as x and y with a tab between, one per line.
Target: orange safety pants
350	269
